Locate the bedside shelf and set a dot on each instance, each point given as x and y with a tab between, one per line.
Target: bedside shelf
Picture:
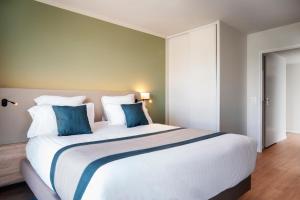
10	160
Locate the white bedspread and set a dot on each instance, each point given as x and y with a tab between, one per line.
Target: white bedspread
222	162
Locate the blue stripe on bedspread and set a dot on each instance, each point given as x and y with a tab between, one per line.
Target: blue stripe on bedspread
59	152
95	165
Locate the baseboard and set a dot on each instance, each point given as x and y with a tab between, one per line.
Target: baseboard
281	139
293	131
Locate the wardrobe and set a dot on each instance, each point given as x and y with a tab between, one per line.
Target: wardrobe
206	78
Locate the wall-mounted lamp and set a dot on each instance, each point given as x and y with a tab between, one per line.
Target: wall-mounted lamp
4	102
145	96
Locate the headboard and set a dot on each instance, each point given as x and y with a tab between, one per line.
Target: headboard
15	120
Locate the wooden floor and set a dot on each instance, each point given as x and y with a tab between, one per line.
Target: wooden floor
18	191
277	174
276	177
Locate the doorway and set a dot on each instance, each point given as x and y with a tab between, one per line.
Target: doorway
281	95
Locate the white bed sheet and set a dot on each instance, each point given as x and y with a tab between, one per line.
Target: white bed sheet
224	174
40	150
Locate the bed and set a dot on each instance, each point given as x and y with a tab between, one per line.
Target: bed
201	164
167	163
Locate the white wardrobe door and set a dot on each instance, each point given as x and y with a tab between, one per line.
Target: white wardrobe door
192	79
203	78
178	72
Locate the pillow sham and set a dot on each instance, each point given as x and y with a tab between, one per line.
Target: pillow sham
72	120
44	120
115	114
59	100
134	114
112	108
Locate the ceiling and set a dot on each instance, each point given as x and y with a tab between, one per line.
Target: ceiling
166	17
291	56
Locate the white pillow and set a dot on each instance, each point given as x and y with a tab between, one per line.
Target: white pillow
112	108
147	114
115	114
118	100
44	120
59	101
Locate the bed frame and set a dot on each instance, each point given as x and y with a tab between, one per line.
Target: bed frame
13	134
43	192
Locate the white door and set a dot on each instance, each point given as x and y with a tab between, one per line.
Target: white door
178	84
274	99
192	79
203	78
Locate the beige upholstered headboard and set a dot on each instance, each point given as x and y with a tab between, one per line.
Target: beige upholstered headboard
15	120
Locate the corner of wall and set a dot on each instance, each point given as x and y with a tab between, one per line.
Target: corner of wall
233	79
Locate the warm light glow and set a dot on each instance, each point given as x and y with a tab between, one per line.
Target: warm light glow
140	87
145	95
16	103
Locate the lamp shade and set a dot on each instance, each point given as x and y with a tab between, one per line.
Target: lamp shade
145	95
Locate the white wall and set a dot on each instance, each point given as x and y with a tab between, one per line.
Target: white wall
232	80
257	43
293	98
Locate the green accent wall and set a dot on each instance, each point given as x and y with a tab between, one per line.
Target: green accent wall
45	47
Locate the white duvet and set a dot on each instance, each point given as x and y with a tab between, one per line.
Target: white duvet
222	163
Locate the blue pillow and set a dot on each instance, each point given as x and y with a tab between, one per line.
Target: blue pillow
134	115
72	120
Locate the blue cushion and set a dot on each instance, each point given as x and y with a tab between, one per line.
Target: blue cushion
134	114
72	120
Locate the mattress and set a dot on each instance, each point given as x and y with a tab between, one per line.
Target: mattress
239	151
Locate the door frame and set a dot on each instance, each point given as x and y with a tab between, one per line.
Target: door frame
262	91
263	139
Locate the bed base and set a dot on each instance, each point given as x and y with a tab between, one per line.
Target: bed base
235	192
43	192
40	190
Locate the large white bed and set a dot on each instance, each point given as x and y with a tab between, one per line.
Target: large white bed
199	170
